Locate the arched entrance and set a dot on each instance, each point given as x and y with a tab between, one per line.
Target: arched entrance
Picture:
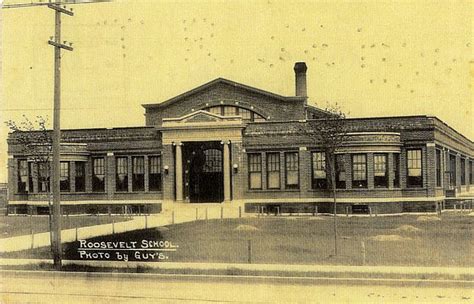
203	172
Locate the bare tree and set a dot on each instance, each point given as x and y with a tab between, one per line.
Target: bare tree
329	133
35	141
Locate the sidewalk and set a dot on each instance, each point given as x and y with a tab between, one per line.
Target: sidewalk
461	274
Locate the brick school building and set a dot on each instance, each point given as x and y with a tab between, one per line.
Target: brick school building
228	143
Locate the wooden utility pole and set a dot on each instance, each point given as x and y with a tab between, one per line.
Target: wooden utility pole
56	42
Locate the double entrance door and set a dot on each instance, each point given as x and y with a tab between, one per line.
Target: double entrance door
203	174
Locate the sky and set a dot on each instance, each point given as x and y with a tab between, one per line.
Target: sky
373	58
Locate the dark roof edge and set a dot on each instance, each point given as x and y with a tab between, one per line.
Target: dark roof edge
221	80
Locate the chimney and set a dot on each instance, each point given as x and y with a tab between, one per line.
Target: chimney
300	79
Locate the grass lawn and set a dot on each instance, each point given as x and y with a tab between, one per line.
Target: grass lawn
21	225
395	240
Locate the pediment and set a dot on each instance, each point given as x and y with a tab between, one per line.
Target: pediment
202	116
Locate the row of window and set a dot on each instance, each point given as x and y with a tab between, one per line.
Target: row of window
26	172
451	170
273	170
359	171
138	173
319	177
236	111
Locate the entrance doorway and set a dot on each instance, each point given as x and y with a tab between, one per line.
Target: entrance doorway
203	174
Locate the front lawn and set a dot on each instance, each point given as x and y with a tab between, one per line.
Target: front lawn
395	240
15	225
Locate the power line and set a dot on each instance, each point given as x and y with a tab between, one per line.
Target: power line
32	4
48	109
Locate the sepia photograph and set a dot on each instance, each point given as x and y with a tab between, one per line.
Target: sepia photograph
236	151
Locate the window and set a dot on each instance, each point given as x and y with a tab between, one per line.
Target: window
380	170
359	171
396	170
292	172
246	114
414	178
138	173
471	172
273	170
229	111
213	161
438	168
121	176
22	175
216	110
80	177
64	179
154	180
98	174
463	171
319	180
340	172
255	171
43	177
31	173
452	170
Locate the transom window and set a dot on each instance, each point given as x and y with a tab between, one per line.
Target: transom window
213	161
236	111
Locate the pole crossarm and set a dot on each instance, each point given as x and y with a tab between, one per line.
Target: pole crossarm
60	45
61	9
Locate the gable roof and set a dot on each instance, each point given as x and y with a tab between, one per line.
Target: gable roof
221	81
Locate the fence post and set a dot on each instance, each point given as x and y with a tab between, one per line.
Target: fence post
172	217
32	238
113	226
196	214
222	213
370	211
146	221
240	211
249	251
315	212
363	252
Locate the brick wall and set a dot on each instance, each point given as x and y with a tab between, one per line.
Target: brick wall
225	94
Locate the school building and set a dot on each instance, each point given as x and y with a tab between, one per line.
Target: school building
229	143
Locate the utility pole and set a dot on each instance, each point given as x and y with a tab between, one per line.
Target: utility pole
56	42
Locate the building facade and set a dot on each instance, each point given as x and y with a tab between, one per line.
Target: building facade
225	142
